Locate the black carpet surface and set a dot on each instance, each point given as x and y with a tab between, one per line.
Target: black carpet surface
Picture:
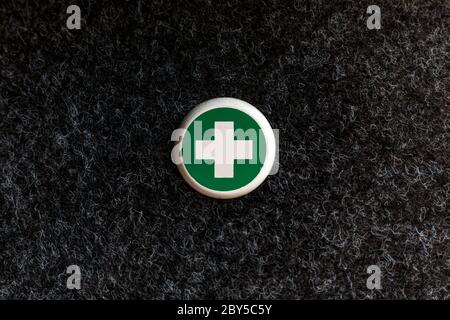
86	176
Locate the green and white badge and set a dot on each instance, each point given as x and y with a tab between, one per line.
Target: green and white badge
226	148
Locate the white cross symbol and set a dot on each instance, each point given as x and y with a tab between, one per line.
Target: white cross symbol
223	149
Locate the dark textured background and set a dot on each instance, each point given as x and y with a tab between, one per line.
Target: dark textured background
85	170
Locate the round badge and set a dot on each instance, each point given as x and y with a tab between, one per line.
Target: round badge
226	148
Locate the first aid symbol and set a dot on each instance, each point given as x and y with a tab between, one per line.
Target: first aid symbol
227	148
224	149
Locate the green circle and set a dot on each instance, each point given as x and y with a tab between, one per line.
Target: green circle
245	128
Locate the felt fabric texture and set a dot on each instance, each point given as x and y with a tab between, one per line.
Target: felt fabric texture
86	177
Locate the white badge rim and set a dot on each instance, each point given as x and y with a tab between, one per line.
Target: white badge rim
269	136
